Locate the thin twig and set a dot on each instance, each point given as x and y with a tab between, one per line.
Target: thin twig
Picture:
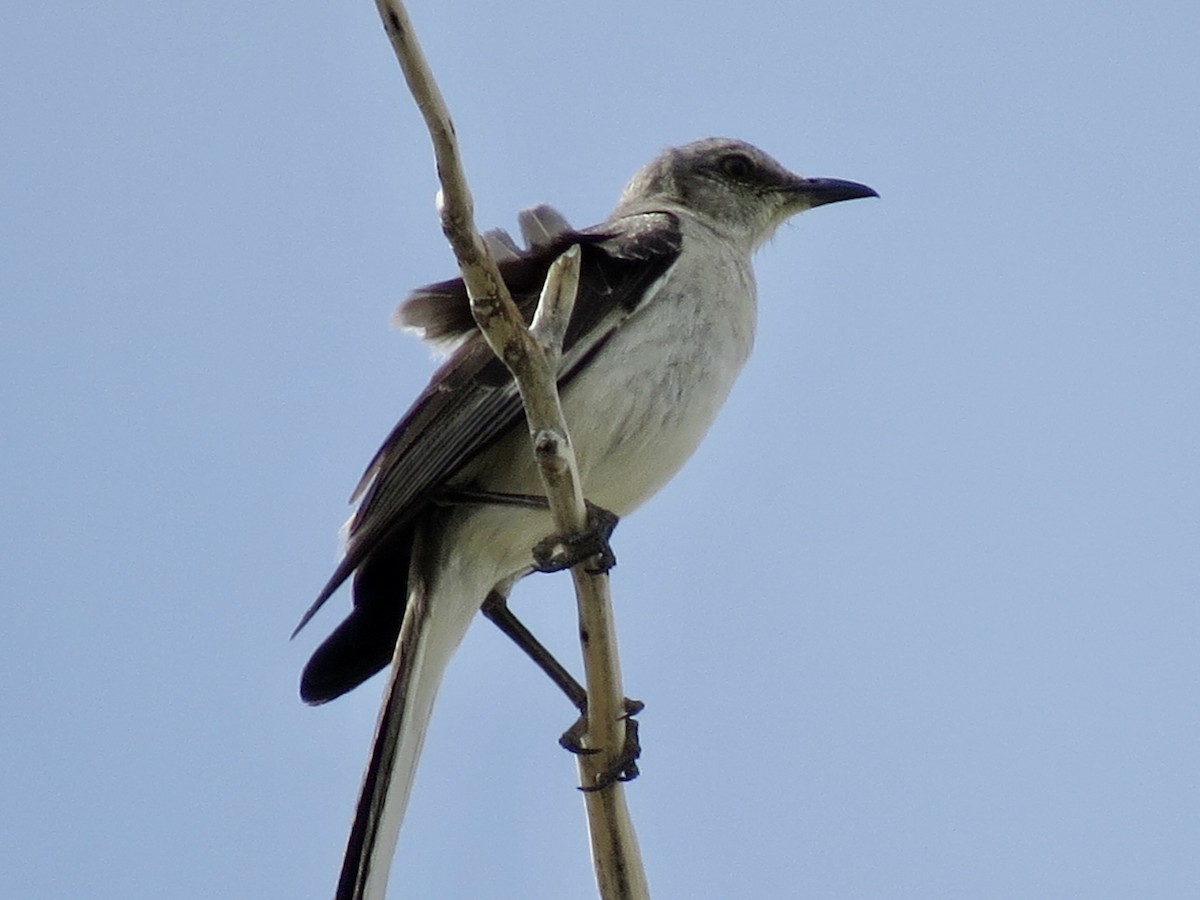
533	363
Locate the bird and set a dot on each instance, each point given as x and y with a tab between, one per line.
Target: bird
663	322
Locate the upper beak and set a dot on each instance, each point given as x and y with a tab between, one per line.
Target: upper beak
819	191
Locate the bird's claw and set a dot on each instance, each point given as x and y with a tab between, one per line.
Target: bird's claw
624	766
562	551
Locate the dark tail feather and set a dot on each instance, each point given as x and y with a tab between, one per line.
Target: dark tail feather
363	644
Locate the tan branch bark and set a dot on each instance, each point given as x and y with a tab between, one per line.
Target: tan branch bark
533	360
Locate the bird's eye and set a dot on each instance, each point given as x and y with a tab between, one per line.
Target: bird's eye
737	166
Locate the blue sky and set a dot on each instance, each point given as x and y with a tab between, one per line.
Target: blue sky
919	620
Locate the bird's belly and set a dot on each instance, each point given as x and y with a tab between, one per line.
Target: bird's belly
636	413
631	438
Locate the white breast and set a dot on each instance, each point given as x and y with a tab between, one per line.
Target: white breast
642	405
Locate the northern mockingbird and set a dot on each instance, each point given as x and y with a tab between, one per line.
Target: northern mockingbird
663	322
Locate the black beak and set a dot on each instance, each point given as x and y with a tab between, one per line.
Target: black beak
819	191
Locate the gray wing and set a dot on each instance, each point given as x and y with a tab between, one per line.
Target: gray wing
471	401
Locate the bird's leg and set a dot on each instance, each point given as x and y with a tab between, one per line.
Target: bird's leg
495	608
624	767
559	551
471	497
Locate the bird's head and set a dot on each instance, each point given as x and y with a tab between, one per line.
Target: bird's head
735	186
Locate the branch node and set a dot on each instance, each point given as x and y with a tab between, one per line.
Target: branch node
548	443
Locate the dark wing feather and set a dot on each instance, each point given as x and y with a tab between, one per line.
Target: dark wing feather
442	312
470	403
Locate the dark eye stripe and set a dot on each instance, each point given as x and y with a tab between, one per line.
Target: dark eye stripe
737	165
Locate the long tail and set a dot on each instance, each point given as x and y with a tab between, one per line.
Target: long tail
427	640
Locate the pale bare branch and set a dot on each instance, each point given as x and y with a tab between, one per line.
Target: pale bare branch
553	313
532	361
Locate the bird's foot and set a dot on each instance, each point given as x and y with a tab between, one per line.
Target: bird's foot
624	766
562	551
